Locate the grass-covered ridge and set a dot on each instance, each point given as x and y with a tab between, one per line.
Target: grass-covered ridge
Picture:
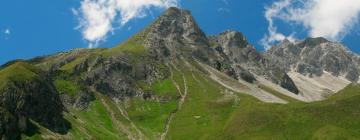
133	46
19	71
208	111
335	118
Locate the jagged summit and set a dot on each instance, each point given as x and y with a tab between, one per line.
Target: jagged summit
235	45
174	11
176	33
247	62
313	56
313	41
177	27
233	38
317	61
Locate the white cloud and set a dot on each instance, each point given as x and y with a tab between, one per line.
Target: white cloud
332	19
98	17
274	36
7	32
223	10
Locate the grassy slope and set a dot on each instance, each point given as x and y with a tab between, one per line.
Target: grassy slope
94	123
335	118
209	113
150	116
19	71
205	109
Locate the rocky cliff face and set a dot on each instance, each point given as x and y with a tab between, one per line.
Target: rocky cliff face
246	60
117	77
313	56
26	94
176	29
176	34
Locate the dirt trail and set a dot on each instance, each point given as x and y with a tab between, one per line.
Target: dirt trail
124	114
180	104
81	128
118	124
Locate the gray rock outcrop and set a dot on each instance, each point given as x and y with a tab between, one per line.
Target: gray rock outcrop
246	60
313	56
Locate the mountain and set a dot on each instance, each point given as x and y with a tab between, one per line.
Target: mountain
329	66
245	59
172	81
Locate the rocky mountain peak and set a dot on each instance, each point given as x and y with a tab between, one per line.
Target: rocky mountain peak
174	32
313	41
177	27
247	61
176	12
313	56
235	45
232	38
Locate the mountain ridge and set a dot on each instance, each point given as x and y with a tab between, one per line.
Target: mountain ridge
171	75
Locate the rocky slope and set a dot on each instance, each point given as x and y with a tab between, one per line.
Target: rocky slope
246	60
171	77
313	56
317	61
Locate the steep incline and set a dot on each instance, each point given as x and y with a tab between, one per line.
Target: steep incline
318	67
25	95
247	62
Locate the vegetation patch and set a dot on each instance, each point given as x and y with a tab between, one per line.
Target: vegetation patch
164	88
94	123
151	116
133	46
69	67
339	115
19	71
67	87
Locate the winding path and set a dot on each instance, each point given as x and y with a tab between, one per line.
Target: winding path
180	104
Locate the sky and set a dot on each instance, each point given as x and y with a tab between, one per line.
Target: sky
43	27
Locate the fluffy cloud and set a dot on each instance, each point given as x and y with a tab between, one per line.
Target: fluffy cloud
98	17
7	32
332	19
276	10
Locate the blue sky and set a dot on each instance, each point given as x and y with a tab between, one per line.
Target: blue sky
43	27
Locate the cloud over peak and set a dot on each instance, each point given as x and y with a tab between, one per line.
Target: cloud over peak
98	17
332	19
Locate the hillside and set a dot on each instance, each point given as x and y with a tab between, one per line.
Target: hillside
171	81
